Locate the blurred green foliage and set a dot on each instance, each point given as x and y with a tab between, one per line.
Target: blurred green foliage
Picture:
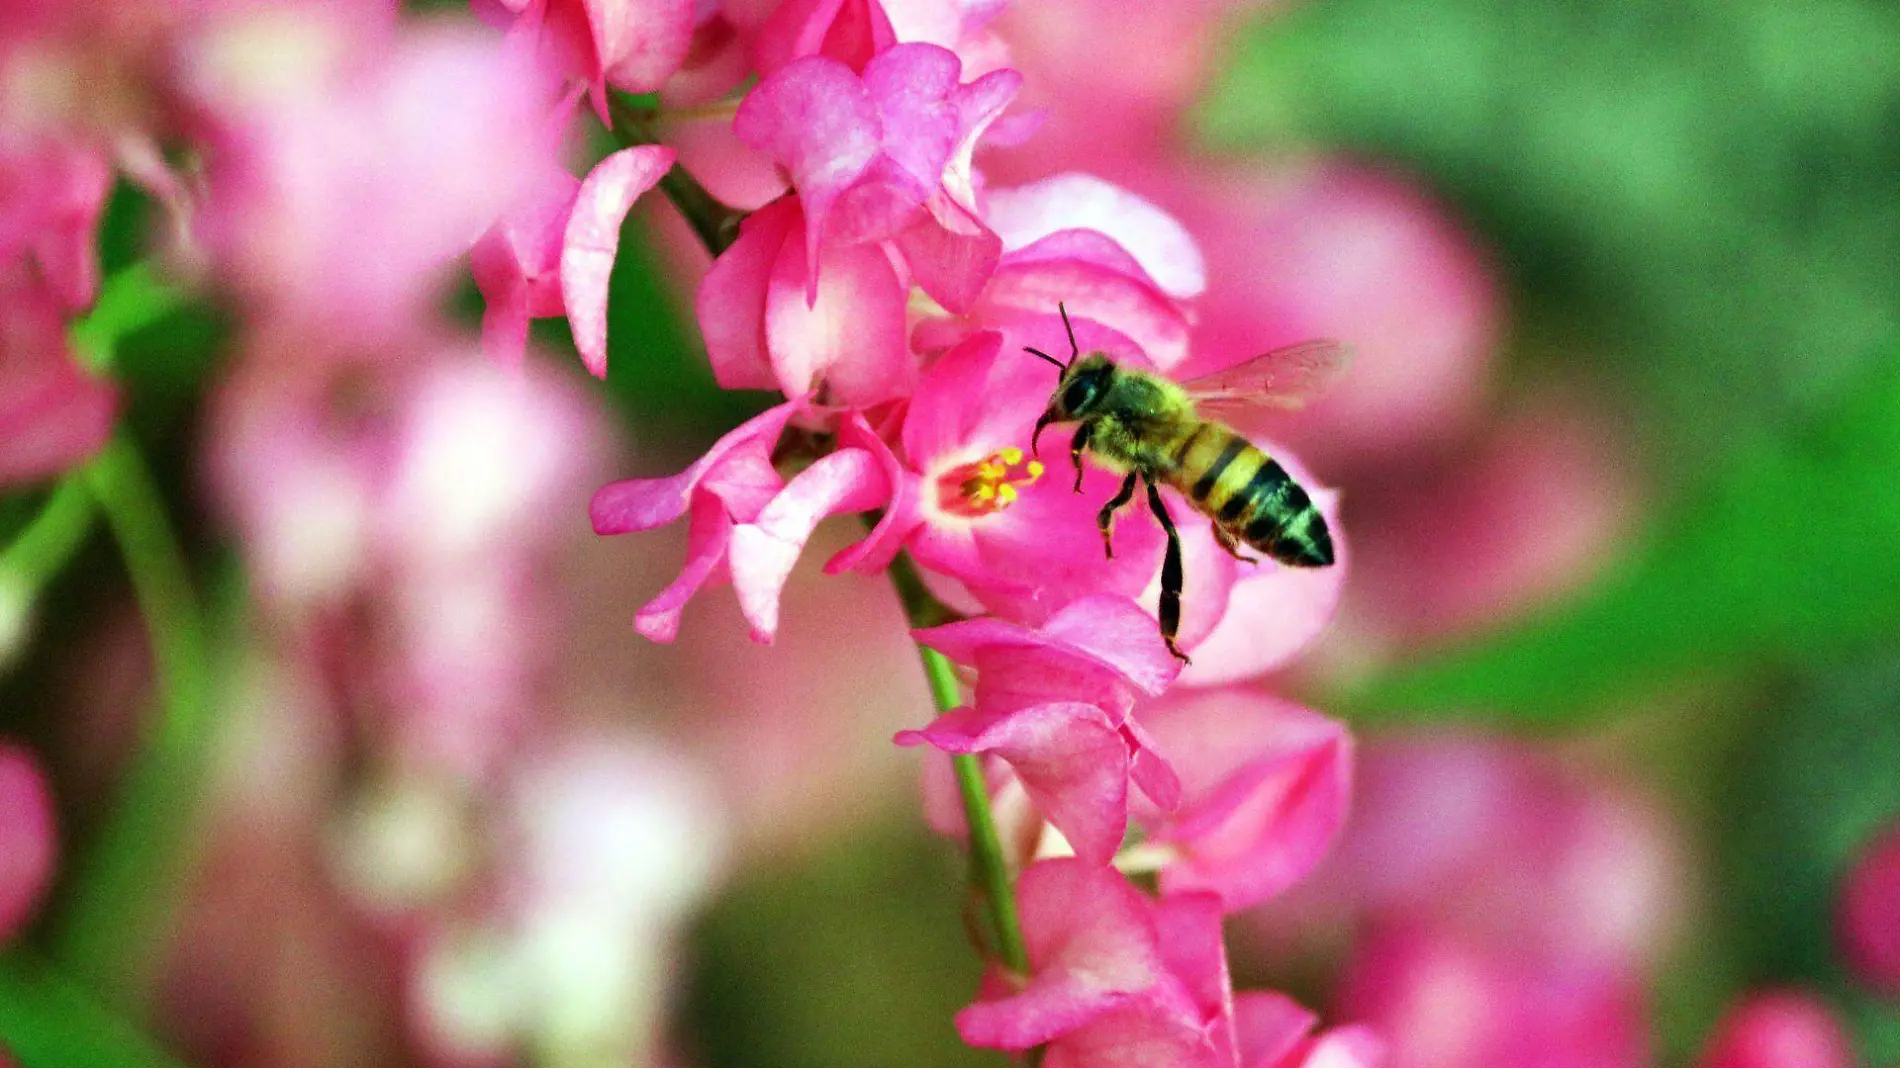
1784	556
1711	186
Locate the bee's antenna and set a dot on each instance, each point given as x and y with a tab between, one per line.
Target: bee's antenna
1060	366
1074	349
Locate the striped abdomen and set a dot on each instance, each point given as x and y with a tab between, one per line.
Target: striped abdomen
1250	496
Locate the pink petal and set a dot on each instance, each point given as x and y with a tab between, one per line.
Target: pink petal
1867	918
592	240
52	414
1152	1031
1070	759
1269	1027
1091	949
516	265
707	539
644	503
1346	1047
764	551
848	31
979	105
950	252
28	845
816	119
947	406
1076	201
1272	612
731	302
1116	632
1124	303
1266	785
1780	1029
876	551
911	87
1150	770
988	640
641	42
1188	930
842	334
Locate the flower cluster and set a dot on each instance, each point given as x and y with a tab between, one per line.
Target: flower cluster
889	291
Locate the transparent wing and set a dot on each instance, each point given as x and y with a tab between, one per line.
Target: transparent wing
1284	378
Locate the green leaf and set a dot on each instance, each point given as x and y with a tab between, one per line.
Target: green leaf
47	1021
1786	553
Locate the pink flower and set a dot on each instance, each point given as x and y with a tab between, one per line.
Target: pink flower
631	45
1102	987
27	838
1264	788
743	514
764	330
1357	255
53	189
1053	704
342	186
1446	1003
52	414
552	254
1867	921
982	511
1779	1029
885	154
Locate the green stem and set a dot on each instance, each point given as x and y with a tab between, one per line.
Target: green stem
49	541
115	921
716	224
131	300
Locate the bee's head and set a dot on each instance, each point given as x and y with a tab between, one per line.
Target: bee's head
1083	384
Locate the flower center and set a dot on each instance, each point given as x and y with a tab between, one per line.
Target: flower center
987	486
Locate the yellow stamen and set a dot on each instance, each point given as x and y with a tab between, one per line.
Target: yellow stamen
990	484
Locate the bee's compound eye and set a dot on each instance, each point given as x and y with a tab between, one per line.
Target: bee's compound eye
1077	395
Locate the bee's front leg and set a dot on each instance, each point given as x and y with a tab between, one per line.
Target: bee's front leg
1105	519
1172	578
1076	445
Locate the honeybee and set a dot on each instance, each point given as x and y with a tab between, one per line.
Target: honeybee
1153	429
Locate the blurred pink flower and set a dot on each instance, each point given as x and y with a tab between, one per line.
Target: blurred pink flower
1867	920
28	843
1528	511
1053	704
53	189
1349	253
350	161
1444	1002
1264	788
1779	1029
608	842
1495	839
52	414
394	508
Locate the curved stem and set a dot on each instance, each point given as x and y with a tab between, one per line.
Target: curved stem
116	912
716	224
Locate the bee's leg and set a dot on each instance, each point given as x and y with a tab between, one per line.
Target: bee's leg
1171	577
1080	442
1105	519
1231	544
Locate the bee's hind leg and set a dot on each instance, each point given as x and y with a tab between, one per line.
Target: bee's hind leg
1105	519
1231	544
1171	575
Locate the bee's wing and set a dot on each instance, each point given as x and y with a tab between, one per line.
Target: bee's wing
1284	378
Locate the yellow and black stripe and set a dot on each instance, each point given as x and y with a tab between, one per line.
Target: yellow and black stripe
1252	498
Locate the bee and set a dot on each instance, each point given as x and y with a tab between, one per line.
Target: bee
1153	429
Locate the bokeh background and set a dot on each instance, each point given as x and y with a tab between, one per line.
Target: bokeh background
1621	465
